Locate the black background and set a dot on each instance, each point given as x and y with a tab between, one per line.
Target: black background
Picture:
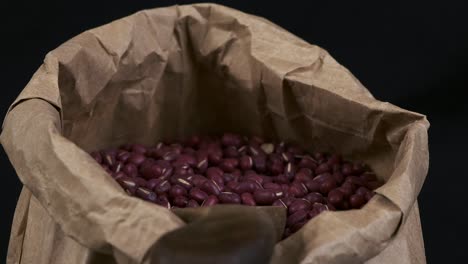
410	53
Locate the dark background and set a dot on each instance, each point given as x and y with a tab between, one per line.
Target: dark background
410	53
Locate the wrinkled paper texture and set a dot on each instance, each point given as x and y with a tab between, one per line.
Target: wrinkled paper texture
168	73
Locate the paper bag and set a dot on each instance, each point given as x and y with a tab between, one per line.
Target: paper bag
166	74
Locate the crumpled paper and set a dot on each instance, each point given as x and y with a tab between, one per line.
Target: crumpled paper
168	73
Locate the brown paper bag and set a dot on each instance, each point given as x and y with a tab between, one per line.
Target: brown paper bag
172	72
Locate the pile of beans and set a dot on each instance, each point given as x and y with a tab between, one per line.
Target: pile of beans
236	170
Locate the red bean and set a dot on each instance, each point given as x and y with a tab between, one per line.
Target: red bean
346	191
140	181
163	197
298	189
259	162
151	171
118	166
320	207
287	157
312	186
202	165
183	170
255	178
307	171
243	149
197	180
246	186
231	152
302	177
166	172
319	156
229	198
136	158
336	168
362	191
152	183
231	186
266	179
272	186
138	148
210	201
339	177
281	179
312	214
212	171
128	184
245	162
299	204
228	177
321	178
264	197
297	217
331	207
356	201
119	175
181	181
248	199
177	190
345	205
123	156
215	156
187	159
288	200
314	197
280	202
146	194
335	197
327	186
163	203
180	201
216	174
210	187
356	180
308	162
347	169
256	151
285	189
290	170
349	185
192	204
322	168
198	195
276	168
248	173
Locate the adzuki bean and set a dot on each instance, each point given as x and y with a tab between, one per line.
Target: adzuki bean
231	169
